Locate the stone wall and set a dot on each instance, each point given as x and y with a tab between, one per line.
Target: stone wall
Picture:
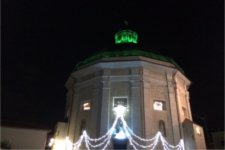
142	83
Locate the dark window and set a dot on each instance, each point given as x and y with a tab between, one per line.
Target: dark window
120	101
184	111
162	128
82	127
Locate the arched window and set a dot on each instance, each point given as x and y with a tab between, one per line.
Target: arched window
82	127
162	128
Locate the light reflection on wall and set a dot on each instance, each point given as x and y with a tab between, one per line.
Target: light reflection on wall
62	144
198	131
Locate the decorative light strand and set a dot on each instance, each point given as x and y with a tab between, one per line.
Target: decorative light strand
146	140
143	146
88	139
86	143
76	145
100	144
99	139
80	140
129	133
164	141
149	146
109	132
131	140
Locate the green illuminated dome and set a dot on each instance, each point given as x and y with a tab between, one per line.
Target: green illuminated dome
125	50
126	36
125	46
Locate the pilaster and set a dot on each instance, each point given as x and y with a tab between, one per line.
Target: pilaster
73	125
104	120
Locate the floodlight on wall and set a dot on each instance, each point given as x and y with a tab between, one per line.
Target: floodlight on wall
198	131
51	142
119	110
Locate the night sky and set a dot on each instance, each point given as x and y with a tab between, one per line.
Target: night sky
43	40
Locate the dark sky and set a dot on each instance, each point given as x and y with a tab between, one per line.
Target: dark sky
43	40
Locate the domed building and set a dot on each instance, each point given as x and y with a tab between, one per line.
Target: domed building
151	88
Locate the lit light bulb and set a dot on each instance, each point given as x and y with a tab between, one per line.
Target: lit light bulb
119	110
120	135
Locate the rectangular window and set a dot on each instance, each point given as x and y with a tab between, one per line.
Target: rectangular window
159	105
120	101
85	105
184	111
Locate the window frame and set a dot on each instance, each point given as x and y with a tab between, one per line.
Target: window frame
164	127
184	113
82	126
120	97
163	106
82	105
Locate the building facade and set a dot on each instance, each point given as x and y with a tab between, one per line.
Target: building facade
152	88
23	135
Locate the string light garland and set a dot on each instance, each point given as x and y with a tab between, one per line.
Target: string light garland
104	140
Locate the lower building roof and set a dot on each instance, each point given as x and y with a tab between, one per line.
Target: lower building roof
25	125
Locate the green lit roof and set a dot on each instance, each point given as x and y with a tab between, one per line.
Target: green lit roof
126	36
133	52
126	45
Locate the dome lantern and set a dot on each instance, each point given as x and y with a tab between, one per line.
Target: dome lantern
126	36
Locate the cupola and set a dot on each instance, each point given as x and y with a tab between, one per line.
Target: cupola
126	36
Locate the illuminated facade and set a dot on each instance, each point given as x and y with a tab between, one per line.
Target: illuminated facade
152	89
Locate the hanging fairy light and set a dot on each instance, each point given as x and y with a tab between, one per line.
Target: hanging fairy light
104	140
109	132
